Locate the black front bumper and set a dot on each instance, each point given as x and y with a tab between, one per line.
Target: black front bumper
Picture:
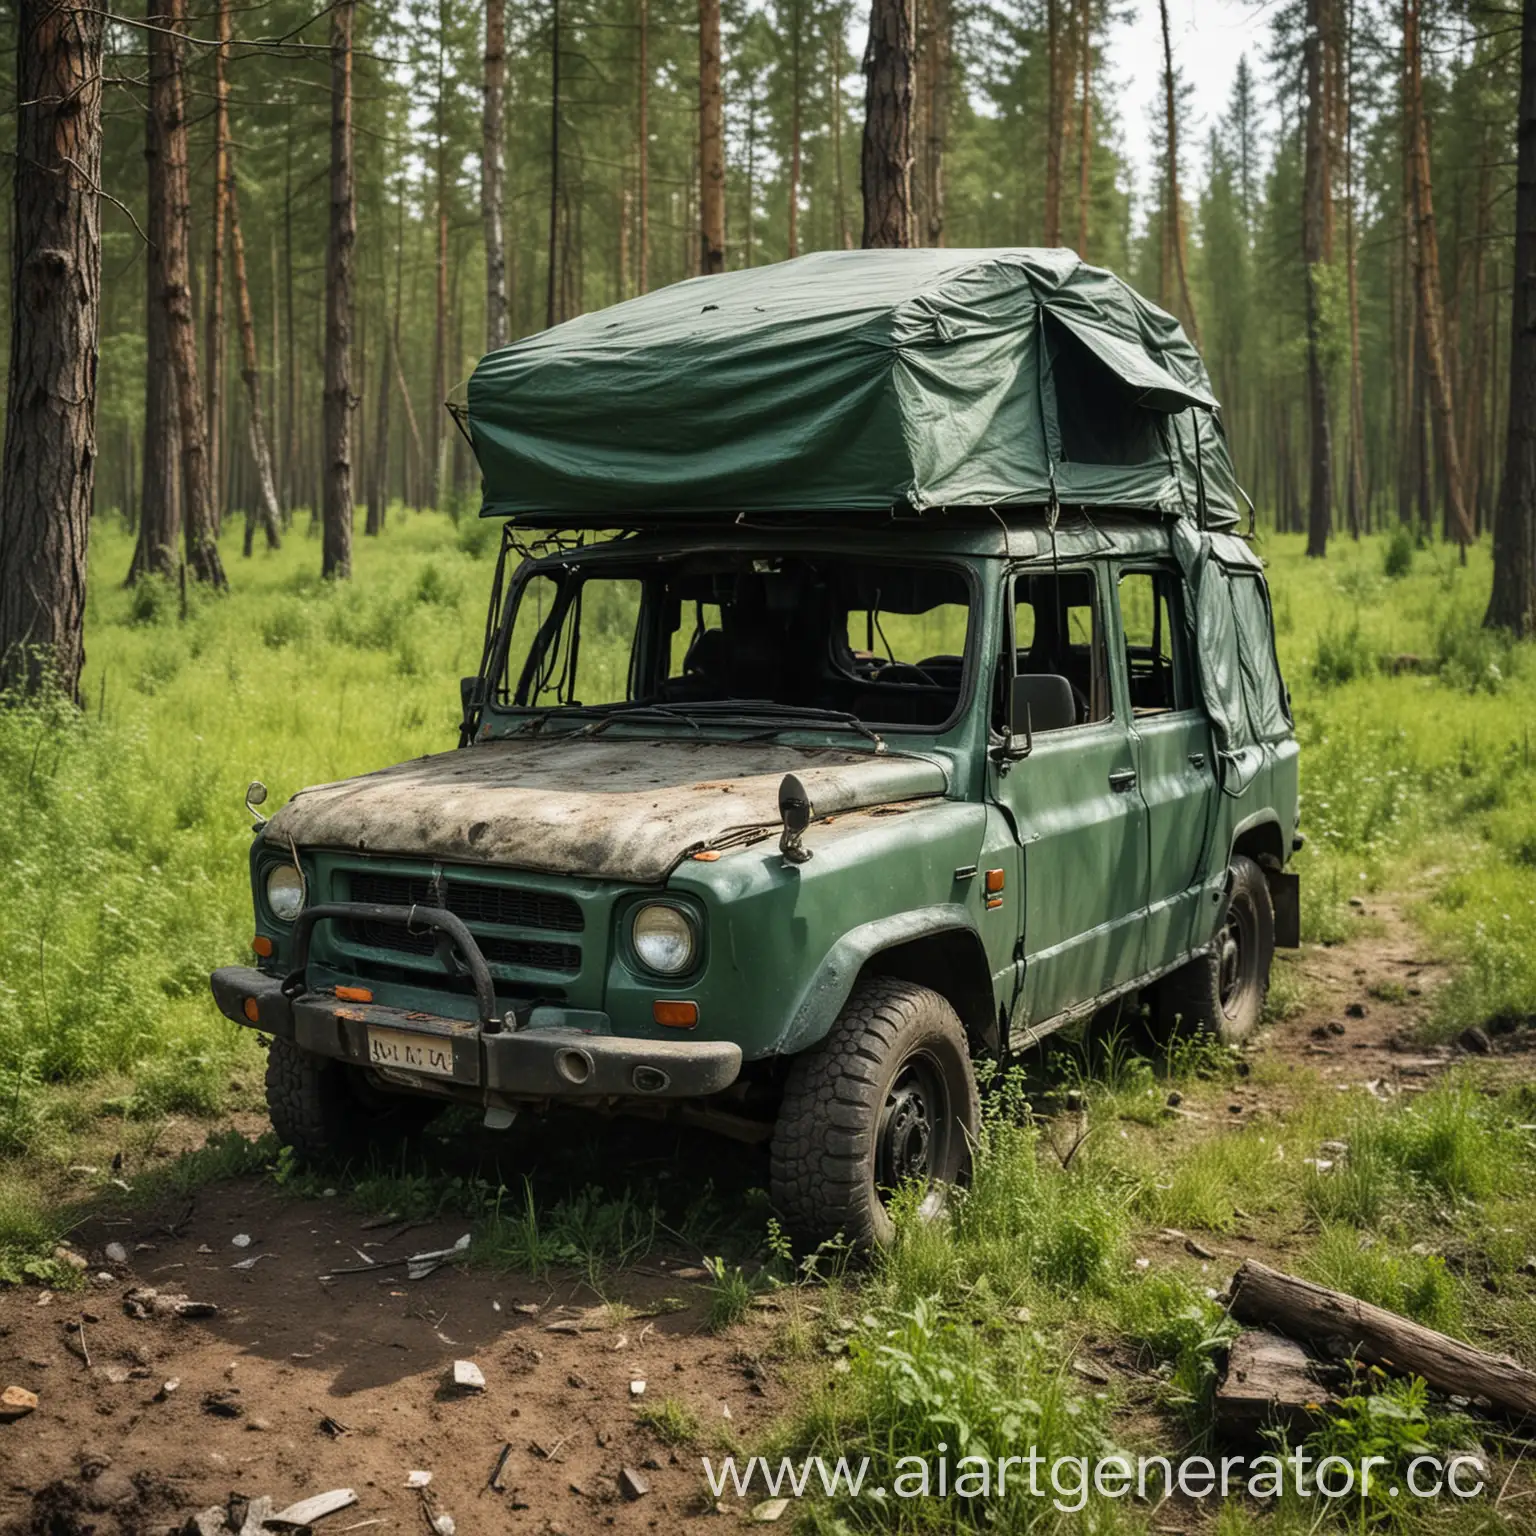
556	1057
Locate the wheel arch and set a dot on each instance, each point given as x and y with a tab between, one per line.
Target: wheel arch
1259	838
937	947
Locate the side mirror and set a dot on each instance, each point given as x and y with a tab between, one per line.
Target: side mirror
256	794
797	813
1039	701
1021	736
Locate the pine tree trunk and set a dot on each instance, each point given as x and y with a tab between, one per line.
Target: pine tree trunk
1431	311
378	481
291	421
643	155
1315	193
1512	605
938	47
711	143
794	132
49	465
159	532
1172	215
440	318
493	178
213	340
886	164
839	195
1085	130
264	510
1358	507
336	560
550	313
167	97
1055	117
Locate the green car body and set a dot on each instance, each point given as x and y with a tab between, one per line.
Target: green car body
710	848
1029	880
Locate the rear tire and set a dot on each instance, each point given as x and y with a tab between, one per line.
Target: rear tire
1222	993
888	1097
329	1112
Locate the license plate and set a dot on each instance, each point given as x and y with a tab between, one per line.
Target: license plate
429	1054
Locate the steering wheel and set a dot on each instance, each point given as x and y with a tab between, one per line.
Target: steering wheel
907	673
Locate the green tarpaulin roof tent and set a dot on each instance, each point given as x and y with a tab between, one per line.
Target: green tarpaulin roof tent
856	381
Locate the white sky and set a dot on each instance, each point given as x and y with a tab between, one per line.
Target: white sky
1209	37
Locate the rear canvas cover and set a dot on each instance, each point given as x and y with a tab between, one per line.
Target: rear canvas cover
857	381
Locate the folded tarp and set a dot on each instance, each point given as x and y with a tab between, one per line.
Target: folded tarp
857	381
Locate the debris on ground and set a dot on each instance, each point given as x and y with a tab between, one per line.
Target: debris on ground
146	1302
16	1403
1270	1382
317	1507
419	1265
633	1485
498	1472
223	1403
116	1253
1343	1327
467	1377
241	1516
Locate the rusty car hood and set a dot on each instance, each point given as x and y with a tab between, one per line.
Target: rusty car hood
603	808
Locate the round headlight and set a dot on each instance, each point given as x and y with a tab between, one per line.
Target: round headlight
285	893
664	939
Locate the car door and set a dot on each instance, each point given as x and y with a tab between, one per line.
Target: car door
1171	738
1073	800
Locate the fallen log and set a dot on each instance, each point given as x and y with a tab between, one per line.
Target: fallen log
1345	1327
1270	1383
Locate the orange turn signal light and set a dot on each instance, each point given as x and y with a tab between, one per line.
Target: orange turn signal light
252	1010
995	881
675	1015
354	994
262	945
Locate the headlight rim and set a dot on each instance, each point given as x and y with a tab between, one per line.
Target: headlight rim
690	923
279	910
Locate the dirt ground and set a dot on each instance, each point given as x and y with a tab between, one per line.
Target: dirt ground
301	1383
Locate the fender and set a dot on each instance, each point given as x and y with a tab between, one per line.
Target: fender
1254	831
823	999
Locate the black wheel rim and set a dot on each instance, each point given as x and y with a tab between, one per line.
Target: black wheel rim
912	1140
1235	947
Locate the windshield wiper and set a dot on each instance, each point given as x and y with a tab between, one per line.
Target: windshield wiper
750	709
612	712
715	711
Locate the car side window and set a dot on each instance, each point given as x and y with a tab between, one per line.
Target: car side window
1156	662
1058	640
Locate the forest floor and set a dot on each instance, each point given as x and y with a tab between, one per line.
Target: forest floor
325	1368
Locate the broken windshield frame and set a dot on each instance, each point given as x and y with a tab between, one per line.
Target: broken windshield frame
766	641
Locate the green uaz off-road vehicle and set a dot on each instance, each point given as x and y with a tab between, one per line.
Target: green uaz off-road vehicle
882	687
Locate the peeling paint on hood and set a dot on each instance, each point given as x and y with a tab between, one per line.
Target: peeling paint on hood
606	809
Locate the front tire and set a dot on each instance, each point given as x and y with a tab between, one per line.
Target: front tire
329	1112
1222	993
887	1098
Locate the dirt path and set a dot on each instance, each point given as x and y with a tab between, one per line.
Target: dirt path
302	1384
1365	1004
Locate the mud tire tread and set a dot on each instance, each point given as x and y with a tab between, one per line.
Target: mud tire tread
822	1153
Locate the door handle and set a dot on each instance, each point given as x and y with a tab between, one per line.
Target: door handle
1197	759
1122	779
